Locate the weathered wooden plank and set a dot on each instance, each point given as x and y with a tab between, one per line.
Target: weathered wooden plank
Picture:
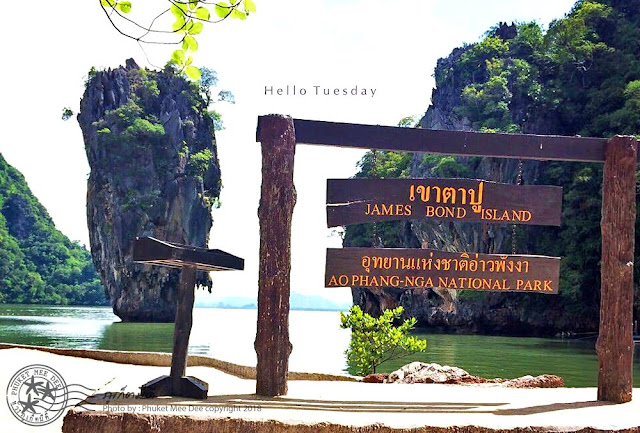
615	339
351	201
525	146
424	268
152	251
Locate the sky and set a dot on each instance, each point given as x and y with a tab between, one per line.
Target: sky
388	46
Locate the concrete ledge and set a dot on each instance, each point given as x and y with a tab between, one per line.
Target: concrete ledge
82	422
161	359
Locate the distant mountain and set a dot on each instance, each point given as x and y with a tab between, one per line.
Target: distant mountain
312	302
208	301
297	301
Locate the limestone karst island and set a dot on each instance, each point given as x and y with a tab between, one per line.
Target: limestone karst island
238	225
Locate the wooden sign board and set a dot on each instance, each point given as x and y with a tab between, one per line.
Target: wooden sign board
424	268
351	201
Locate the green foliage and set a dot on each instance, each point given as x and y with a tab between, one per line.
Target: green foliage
189	16
216	118
132	127
208	82
407	122
189	19
574	41
125	115
144	128
199	162
38	264
377	340
384	165
444	166
66	113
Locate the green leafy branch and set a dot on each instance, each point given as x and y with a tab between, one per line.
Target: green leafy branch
377	340
190	17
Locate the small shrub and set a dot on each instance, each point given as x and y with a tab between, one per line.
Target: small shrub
374	341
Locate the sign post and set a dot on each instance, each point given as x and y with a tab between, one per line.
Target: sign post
279	135
615	339
278	197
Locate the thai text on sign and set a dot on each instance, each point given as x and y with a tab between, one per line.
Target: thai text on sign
351	201
424	268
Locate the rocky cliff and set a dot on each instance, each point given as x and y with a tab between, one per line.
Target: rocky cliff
154	172
582	77
441	308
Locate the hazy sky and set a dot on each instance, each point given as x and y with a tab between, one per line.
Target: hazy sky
388	46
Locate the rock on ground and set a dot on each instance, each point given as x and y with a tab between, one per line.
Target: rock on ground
420	372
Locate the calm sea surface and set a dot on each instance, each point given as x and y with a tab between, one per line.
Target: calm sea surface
318	342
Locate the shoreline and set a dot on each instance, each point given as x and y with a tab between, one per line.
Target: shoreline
163	359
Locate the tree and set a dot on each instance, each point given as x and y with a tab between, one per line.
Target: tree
374	341
189	15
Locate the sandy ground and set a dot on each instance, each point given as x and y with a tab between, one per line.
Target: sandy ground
309	402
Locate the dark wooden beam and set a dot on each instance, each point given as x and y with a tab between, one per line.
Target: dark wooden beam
524	146
615	340
278	197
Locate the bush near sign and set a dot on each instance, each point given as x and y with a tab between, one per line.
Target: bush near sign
425	268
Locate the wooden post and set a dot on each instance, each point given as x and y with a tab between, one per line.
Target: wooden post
183	323
278	197
615	340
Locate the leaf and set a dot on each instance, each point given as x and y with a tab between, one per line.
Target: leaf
125	7
249	6
238	14
222	10
195	28
192	72
193	4
179	24
189	61
178	57
107	3
189	43
178	12
203	13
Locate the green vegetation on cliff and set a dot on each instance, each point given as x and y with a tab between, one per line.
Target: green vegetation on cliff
581	76
38	264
